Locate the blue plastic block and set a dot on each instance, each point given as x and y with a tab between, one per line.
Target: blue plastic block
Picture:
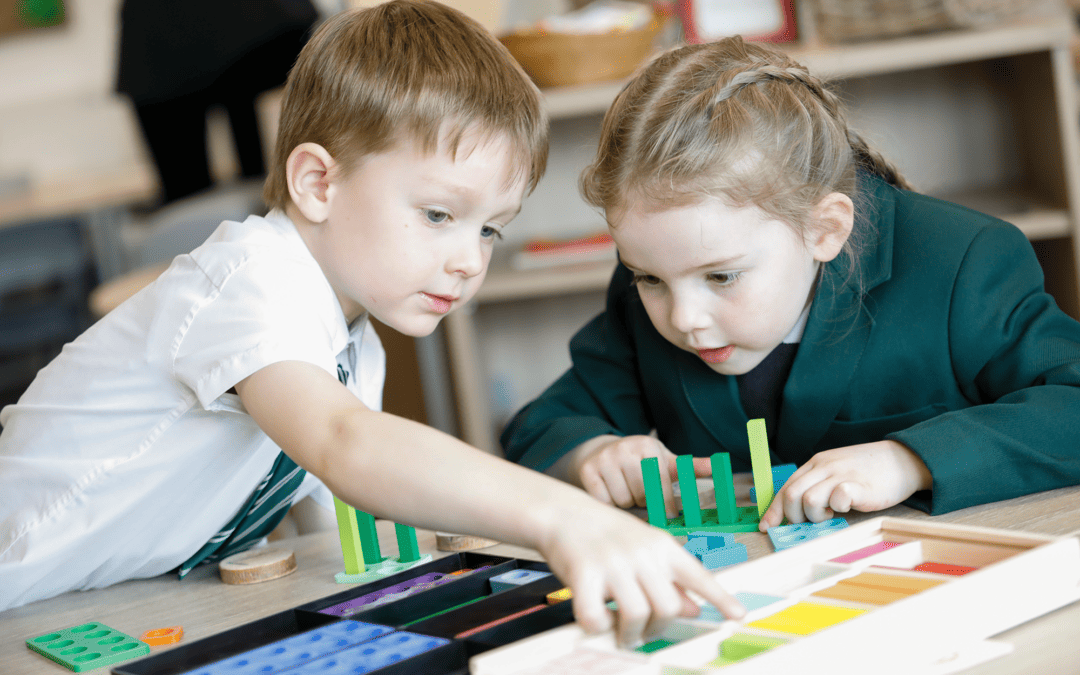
515	578
780	475
298	649
370	656
786	536
90	645
709	540
724	556
750	601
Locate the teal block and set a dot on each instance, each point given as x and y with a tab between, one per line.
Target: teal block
724	556
87	646
786	536
515	578
750	601
780	475
408	549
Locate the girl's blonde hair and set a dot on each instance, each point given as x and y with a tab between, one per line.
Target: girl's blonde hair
733	120
369	79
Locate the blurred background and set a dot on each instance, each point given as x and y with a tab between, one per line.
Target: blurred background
130	129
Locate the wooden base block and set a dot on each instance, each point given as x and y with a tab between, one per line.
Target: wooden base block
445	541
260	564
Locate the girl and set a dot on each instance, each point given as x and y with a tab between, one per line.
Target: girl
900	348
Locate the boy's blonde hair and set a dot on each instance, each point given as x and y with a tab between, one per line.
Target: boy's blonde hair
405	70
733	120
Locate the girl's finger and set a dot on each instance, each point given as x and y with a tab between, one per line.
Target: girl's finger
594	484
615	483
815	501
691	576
590	610
633	613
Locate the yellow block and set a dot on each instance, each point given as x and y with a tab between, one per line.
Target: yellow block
805	618
559	596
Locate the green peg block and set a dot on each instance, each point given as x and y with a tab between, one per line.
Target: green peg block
691	505
654	493
408	550
760	463
369	538
724	488
89	646
351	548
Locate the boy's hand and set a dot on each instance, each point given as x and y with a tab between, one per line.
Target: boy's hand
867	477
609	469
601	553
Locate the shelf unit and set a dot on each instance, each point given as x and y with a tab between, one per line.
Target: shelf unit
1028	62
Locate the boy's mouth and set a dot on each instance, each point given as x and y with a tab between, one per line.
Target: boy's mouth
439	303
718	355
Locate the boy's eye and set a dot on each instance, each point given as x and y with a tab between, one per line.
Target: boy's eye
724	278
489	232
645	279
435	216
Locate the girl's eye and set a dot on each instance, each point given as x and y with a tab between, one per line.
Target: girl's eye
644	279
436	217
724	278
489	232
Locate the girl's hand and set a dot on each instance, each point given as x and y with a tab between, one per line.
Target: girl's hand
867	477
601	553
609	469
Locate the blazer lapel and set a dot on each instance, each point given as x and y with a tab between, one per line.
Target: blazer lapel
714	399
835	336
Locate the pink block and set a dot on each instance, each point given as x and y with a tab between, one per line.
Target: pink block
865	552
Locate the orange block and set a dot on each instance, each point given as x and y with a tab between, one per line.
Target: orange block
865	594
892	582
163	636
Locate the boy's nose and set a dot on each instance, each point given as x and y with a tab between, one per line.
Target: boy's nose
467	260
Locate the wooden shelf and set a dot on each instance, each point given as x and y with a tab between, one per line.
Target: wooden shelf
1037	219
860	60
504	283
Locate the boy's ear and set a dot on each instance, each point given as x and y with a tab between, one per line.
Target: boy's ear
830	227
309	173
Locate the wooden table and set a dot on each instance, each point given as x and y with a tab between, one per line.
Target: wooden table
204	606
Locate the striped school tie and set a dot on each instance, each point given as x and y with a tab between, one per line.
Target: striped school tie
263	511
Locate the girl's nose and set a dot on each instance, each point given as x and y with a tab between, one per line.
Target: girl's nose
688	314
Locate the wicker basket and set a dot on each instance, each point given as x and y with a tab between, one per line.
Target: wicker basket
852	20
559	59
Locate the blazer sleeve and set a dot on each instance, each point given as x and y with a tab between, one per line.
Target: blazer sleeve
600	394
1017	357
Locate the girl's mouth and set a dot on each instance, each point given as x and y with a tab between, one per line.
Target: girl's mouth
718	355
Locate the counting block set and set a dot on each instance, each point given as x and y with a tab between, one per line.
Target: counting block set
917	591
427	620
90	645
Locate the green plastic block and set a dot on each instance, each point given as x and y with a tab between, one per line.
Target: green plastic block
691	505
408	549
724	488
350	537
654	492
744	645
91	645
760	463
655	645
369	538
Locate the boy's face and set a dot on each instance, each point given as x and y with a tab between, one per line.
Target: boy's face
409	235
726	284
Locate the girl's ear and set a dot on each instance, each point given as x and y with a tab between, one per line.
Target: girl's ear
830	226
309	173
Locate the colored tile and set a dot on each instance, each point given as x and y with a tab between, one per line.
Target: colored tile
750	601
864	594
724	557
744	645
865	552
786	536
561	595
293	651
87	646
760	463
944	568
515	578
893	582
805	618
655	645
378	653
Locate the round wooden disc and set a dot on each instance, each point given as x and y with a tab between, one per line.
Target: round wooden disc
260	564
444	541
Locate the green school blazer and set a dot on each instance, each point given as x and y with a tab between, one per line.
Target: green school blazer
954	350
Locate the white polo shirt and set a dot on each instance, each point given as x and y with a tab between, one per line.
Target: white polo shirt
127	454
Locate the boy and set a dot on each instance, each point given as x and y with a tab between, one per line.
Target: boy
167	434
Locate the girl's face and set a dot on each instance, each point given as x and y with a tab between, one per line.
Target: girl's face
726	284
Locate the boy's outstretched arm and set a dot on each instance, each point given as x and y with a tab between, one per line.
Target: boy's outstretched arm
415	474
